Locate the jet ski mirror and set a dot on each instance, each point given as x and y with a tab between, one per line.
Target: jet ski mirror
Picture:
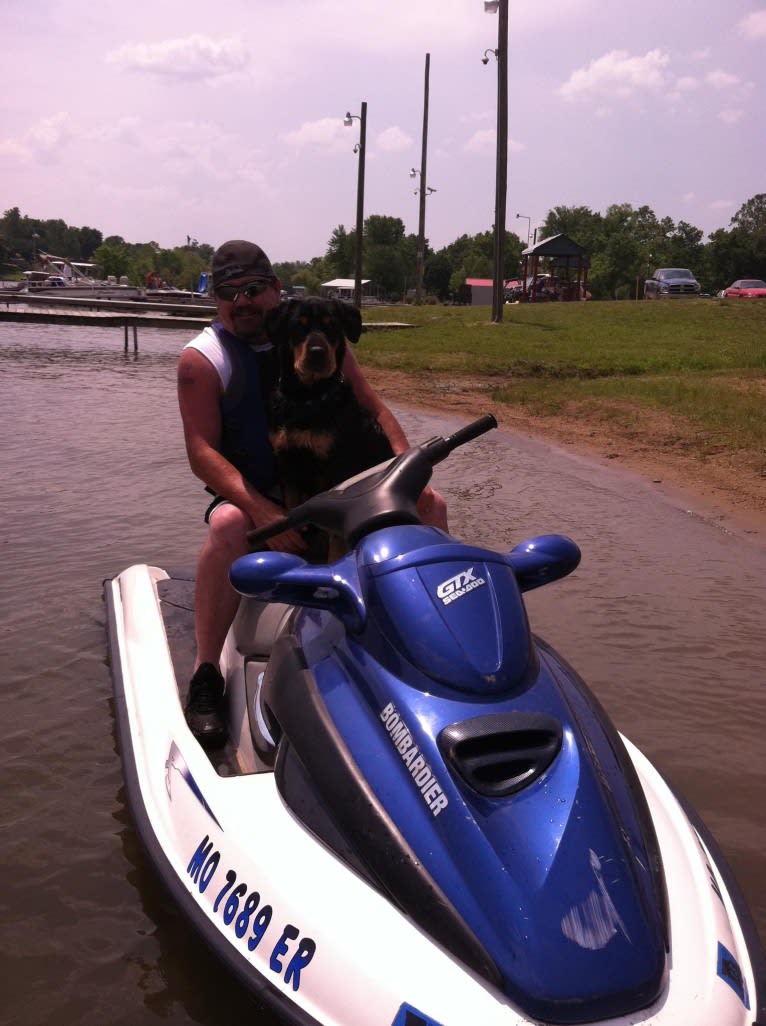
545	558
282	577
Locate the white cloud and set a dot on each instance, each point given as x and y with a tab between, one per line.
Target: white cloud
619	74
393	140
50	132
721	79
16	149
722	204
326	132
731	116
485	141
482	141
686	84
42	138
753	25
123	130
194	56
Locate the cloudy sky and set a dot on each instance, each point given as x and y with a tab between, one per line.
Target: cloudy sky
173	118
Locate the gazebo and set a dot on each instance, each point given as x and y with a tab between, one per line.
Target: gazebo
565	256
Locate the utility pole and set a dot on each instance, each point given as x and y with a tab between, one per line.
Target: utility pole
360	208
501	175
421	255
359	149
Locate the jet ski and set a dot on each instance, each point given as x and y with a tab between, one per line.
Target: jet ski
422	816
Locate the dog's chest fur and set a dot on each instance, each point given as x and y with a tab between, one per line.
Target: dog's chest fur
323	437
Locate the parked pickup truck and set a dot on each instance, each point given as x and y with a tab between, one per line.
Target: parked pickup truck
671	283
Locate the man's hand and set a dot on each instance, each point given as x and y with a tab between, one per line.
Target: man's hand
289	540
432	509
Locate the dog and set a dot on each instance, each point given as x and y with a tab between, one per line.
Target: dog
320	433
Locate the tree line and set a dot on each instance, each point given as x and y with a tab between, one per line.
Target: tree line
624	245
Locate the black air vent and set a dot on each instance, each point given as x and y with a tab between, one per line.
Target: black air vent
499	754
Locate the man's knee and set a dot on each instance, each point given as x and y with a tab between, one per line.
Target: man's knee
229	526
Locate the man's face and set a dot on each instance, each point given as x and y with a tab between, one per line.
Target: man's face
242	303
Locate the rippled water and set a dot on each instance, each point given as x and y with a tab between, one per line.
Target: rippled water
664	619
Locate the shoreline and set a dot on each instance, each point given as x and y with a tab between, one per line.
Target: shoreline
726	488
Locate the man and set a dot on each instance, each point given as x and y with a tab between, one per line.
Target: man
224	378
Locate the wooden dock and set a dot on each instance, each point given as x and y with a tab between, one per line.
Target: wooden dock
105	313
23	308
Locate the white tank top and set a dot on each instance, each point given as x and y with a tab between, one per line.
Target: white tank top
209	344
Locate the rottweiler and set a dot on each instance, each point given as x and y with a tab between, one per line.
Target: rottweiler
320	433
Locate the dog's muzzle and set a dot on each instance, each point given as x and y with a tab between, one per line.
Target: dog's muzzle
318	353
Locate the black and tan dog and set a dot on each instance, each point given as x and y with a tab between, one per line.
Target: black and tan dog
320	433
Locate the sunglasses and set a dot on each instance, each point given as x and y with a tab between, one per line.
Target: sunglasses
253	289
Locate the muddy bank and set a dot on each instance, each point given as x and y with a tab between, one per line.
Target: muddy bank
660	448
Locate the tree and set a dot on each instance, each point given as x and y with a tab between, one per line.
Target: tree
436	276
387	256
340	253
113	259
90	240
685	247
751	216
383	231
580	224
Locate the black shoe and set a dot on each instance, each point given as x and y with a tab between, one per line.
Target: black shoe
204	707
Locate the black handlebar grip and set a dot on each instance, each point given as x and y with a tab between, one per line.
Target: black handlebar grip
471	431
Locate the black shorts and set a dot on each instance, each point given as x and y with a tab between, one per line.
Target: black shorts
275	495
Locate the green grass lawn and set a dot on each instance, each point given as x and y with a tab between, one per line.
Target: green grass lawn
703	361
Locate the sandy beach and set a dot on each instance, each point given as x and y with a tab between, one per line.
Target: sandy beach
730	485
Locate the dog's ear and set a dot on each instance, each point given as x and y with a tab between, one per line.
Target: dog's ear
350	318
275	322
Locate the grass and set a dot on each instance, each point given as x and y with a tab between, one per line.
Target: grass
700	361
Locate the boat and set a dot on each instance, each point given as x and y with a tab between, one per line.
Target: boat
422	816
57	276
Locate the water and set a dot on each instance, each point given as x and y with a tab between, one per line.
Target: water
664	619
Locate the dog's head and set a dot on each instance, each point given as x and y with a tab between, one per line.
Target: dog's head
310	338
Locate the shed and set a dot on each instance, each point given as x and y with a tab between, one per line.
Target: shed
479	291
565	256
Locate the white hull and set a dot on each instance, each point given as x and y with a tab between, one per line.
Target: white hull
311	936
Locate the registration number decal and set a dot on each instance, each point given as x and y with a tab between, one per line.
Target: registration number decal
242	909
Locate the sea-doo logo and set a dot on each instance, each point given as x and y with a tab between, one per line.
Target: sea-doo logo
419	770
455	587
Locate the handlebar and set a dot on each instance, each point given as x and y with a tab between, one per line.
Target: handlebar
440	448
382	496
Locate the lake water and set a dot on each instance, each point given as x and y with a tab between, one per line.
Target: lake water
664	619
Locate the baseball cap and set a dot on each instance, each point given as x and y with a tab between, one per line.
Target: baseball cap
237	258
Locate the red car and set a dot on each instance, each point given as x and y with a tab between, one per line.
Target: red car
747	288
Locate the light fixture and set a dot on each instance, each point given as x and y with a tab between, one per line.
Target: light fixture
349	119
485	59
491	6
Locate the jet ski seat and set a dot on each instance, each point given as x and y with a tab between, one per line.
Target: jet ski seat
257	625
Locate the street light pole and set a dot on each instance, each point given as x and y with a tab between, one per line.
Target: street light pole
501	173
529	225
421	255
348	120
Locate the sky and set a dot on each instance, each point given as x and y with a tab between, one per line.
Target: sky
162	121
